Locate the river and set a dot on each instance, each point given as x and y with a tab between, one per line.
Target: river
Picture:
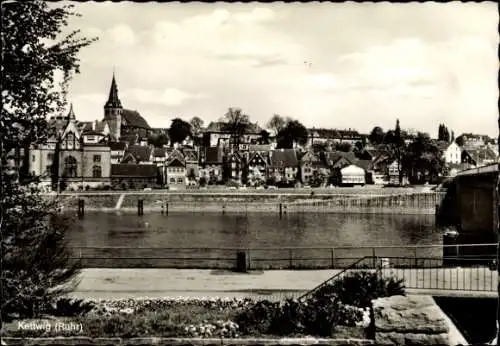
255	230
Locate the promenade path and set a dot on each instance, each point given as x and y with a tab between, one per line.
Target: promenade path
112	283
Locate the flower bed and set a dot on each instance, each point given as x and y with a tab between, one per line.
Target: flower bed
201	318
340	309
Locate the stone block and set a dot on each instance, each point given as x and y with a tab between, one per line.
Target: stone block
408	314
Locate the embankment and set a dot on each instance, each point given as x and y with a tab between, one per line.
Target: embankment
243	202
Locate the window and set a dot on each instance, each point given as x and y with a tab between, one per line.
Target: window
48	170
33	158
172	180
70	167
96	172
90	138
50	156
97	158
180	180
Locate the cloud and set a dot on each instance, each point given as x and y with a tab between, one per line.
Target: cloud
122	34
221	34
166	97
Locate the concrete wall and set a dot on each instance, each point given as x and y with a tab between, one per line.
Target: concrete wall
477	204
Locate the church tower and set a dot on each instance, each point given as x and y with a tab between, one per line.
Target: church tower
113	111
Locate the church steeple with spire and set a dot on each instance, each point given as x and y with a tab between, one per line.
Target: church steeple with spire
113	100
113	111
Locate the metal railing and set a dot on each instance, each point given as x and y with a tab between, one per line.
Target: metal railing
466	275
417	256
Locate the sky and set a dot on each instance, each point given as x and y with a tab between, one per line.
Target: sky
329	65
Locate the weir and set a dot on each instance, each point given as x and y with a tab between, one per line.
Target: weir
120	201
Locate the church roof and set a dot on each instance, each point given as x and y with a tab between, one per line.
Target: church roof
134	119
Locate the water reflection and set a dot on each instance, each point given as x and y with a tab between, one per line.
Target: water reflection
252	230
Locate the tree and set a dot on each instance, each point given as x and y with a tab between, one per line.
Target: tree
422	159
293	133
264	137
460	140
345	147
158	140
376	136
237	125
443	133
34	51
179	130
276	123
196	125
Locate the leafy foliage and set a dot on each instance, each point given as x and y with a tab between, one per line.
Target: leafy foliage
264	137
444	133
33	280
196	124
293	132
360	288
376	135
237	124
67	307
179	130
276	123
33	56
158	140
422	159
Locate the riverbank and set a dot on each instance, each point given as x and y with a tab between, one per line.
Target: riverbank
245	202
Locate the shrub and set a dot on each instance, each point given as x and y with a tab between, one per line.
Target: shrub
33	280
360	288
67	307
318	317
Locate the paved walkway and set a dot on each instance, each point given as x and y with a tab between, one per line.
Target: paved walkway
274	284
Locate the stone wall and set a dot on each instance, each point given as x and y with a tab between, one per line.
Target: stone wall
409	320
56	341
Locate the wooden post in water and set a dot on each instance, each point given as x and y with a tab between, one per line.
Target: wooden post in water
140	207
81	208
281	210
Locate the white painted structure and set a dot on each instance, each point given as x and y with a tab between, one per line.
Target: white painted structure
353	175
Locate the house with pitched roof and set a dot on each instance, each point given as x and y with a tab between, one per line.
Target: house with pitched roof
451	152
134	176
283	165
139	154
191	157
338	159
312	165
217	133
478	156
211	164
257	166
234	163
323	136
175	168
72	154
117	151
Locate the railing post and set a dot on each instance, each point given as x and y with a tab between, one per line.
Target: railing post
140	207
332	254
290	256
374	258
81	208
